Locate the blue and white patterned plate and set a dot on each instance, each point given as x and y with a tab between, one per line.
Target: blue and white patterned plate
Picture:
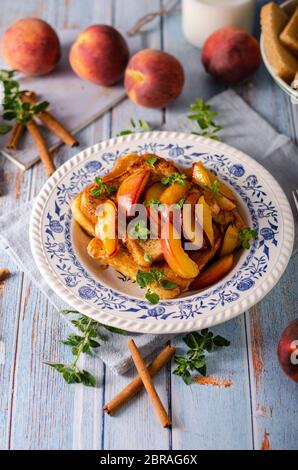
59	245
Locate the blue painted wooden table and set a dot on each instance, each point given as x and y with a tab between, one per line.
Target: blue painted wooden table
37	409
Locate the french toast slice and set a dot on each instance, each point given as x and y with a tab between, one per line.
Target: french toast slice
273	21
123	262
289	35
140	248
203	256
80	217
160	169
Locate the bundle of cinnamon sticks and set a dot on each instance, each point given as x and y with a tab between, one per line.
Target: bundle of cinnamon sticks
144	379
49	121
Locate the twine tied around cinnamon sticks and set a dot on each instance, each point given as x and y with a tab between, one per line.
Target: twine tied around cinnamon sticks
169	7
144	379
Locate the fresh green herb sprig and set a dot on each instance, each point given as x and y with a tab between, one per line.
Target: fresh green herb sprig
174	178
245	235
151	161
145	278
215	187
202	114
154	202
5	128
13	106
180	203
102	188
135	126
84	343
195	358
139	231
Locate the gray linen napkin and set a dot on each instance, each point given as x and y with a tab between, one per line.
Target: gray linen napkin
244	129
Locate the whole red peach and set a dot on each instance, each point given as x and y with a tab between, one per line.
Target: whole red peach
99	54
231	55
153	78
287	350
31	46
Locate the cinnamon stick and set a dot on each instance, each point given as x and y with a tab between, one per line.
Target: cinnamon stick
15	136
18	129
148	384
43	151
53	124
4	273
136	384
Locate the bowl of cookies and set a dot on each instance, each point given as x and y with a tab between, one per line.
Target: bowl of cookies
279	44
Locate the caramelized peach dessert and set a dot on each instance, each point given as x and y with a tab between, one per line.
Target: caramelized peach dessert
196	221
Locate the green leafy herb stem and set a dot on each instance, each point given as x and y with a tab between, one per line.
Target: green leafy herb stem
201	113
102	188
145	278
245	235
5	128
174	178
139	231
215	187
135	126
84	343
14	108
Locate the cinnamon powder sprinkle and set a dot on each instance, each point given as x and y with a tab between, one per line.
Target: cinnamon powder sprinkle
4	273
266	443
214	381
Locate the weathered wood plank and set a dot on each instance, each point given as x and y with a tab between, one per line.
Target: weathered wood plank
274	396
54	415
15	189
142	429
201	410
210	417
10	292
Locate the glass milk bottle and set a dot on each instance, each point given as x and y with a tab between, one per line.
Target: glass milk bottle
200	18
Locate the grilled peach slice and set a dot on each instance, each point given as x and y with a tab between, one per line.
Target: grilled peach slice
192	220
193	196
212	203
200	175
230	241
223	188
224	218
105	229
121	167
213	274
131	189
239	222
205	178
207	220
177	259
154	191
225	203
174	193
